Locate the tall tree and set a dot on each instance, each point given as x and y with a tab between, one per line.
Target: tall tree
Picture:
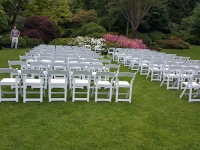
134	11
157	18
3	20
56	10
12	9
179	9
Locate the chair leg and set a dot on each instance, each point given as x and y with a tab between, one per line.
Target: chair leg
96	93
65	94
0	93
110	95
41	94
16	92
24	94
49	93
130	94
116	96
190	95
73	93
88	93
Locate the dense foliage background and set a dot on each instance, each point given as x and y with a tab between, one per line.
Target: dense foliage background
162	20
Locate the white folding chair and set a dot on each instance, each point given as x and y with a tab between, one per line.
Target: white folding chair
135	62
155	70
124	80
28	59
75	67
144	65
186	75
35	79
100	82
173	77
44	66
192	85
81	79
9	81
58	79
19	65
44	59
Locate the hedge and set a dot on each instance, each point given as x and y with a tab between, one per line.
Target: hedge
24	41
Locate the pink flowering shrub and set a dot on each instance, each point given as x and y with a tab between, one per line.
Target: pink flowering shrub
122	41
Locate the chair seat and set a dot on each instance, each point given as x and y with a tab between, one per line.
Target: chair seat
123	84
33	81
81	81
103	83
194	84
94	73
59	61
173	75
156	69
46	61
57	81
8	81
186	75
144	65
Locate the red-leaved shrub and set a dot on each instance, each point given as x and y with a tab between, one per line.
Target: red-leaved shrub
40	27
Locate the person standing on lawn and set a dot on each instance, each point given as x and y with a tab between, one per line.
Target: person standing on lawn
14	35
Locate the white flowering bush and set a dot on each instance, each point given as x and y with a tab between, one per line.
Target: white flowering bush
82	41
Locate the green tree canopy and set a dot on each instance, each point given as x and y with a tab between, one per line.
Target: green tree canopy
56	10
12	8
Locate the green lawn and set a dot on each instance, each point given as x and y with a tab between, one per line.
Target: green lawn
156	119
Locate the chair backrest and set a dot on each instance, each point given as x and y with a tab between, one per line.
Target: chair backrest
58	66
175	69
60	59
14	64
76	66
32	71
91	61
126	74
80	73
39	65
107	74
33	74
94	67
26	58
8	70
43	58
104	61
115	67
58	73
196	76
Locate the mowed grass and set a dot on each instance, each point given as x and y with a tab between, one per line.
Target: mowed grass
156	119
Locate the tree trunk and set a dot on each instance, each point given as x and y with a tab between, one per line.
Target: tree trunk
134	31
127	27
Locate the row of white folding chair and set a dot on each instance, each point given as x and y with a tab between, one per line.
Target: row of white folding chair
92	68
62	83
49	59
58	65
30	79
84	79
14	82
176	75
24	65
